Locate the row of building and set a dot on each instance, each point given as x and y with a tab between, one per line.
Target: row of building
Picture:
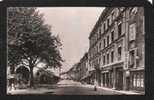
115	58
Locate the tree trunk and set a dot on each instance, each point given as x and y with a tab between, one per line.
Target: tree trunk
31	77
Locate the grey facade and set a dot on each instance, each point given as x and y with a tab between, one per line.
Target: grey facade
116	52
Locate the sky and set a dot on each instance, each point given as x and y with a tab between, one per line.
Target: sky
73	25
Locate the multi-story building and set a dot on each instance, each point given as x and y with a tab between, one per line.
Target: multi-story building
72	73
80	69
116	52
84	67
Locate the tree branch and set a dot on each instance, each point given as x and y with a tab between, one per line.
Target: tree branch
24	64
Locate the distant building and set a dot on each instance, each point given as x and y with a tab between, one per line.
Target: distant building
72	73
45	76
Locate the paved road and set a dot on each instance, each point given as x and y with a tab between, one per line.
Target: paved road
79	90
66	87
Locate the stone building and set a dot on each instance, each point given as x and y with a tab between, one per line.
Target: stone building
116	52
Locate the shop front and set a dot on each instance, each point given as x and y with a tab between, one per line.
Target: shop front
137	80
119	79
105	79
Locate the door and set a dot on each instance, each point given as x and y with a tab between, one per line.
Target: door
119	83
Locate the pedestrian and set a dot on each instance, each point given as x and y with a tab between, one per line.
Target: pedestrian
95	88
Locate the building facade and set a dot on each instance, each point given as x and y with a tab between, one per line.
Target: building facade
73	73
116	52
84	67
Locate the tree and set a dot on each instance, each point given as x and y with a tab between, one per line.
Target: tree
30	40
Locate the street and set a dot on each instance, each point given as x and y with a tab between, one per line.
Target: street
64	87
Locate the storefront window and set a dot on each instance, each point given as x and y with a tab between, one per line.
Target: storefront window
142	81
134	81
138	80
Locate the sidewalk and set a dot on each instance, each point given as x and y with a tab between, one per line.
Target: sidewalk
113	90
28	91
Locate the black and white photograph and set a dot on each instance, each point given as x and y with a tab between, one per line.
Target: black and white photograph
75	51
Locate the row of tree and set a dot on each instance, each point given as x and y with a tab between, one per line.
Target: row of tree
30	40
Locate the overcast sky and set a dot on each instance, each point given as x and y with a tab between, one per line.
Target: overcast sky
73	25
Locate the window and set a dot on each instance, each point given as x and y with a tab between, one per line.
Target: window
104	43
138	80
107	40
119	29
104	27
100	45
112	36
99	61
98	48
132	58
99	32
108	22
108	58
104	59
112	56
142	80
132	32
119	53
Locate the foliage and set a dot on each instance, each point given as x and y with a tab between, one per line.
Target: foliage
30	40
